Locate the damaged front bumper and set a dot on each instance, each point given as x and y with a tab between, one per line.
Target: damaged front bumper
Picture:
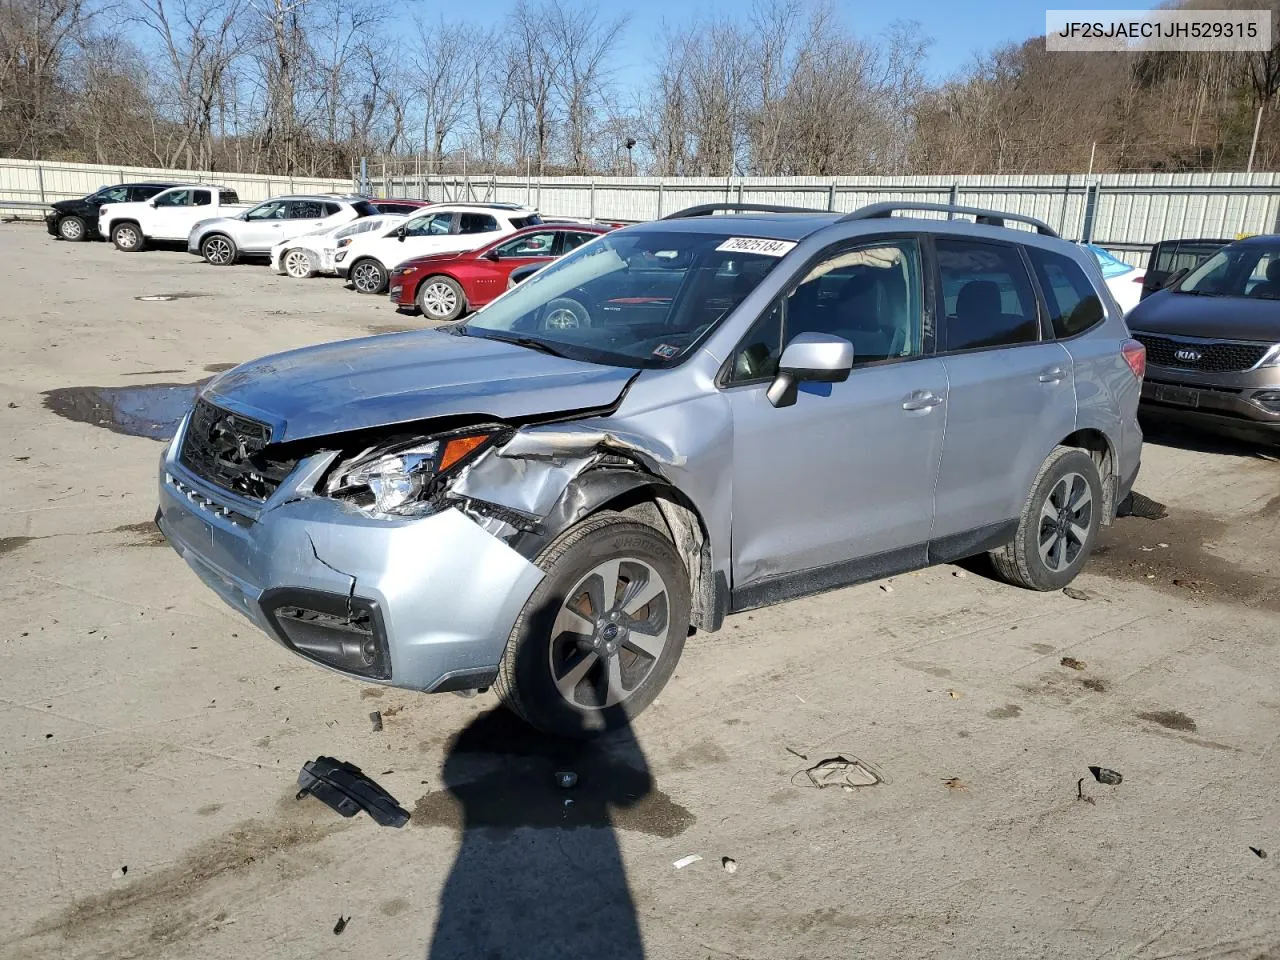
424	603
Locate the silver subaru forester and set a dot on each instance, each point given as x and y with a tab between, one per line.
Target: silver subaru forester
678	421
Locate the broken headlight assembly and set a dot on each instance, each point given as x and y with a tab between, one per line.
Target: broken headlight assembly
398	478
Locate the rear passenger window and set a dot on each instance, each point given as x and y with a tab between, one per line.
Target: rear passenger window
476	223
987	293
1074	305
203	198
306	210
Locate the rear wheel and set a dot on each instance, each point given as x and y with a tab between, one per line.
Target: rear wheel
603	631
441	298
1058	526
127	237
368	276
72	228
218	249
297	264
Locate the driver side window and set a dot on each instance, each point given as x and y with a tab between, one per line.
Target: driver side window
177	198
870	295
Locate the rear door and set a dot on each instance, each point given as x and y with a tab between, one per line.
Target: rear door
1011	389
839	485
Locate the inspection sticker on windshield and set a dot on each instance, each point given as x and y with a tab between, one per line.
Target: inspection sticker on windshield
666	351
769	248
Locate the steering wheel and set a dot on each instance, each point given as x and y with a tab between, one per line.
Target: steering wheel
565	313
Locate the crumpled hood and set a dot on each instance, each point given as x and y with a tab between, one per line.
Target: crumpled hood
401	378
1186	315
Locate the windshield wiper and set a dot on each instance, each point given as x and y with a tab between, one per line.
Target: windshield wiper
531	343
1203	293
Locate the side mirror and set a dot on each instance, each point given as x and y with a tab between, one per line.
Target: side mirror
1174	278
400	232
493	255
812	357
151	203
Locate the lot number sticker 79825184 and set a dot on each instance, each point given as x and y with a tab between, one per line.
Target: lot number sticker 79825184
770	248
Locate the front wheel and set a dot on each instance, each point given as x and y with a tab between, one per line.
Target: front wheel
127	237
441	298
1059	524
218	250
565	313
368	276
72	228
603	631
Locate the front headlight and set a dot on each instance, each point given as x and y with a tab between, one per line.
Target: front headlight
1271	358
344	242
397	479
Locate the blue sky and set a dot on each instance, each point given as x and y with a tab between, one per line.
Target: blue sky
959	28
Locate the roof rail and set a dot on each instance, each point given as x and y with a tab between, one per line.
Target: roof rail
993	218
706	209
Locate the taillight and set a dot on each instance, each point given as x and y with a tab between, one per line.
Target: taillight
1135	355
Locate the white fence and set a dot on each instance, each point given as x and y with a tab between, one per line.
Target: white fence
31	184
1124	212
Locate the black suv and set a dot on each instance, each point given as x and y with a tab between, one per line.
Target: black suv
78	219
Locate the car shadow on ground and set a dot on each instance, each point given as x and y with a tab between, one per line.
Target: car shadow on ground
538	874
1190	438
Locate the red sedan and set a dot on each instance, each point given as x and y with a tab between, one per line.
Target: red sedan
444	286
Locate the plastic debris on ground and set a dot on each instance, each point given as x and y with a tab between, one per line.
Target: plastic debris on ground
345	788
731	865
1111	778
842	770
685	861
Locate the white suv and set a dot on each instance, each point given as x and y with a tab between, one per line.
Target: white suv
223	240
443	228
313	253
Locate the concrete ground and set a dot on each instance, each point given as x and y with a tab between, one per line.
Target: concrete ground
144	726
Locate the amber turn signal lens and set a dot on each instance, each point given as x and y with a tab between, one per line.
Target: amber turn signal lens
458	448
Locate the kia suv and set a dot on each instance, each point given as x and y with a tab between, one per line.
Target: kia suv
1213	344
677	421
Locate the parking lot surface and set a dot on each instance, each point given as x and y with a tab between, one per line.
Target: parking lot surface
152	738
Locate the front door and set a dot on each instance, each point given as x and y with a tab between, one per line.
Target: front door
174	217
839	486
491	274
1012	392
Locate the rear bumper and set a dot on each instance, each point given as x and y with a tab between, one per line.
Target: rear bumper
425	604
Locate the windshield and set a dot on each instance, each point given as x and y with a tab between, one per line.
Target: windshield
642	299
1240	270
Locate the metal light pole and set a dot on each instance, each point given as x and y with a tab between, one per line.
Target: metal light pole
631	167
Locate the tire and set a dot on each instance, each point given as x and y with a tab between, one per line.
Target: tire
441	298
219	250
297	264
1045	555
127	237
73	228
368	276
565	313
544	656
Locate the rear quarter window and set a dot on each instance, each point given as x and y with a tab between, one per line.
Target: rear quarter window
1073	303
228	197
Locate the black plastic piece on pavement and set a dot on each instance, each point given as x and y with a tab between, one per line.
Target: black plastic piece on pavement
347	790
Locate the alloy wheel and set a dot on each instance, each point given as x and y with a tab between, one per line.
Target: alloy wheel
297	263
217	251
562	319
127	238
71	228
439	301
609	633
1065	521
366	278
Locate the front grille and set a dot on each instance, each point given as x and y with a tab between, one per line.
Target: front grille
1218	357
231	452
